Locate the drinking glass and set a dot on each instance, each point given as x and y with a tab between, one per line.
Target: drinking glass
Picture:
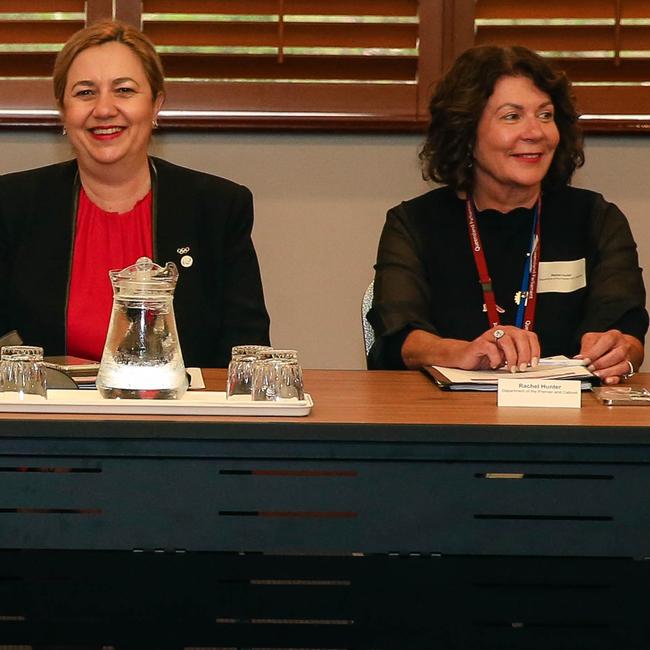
22	371
240	369
240	375
276	380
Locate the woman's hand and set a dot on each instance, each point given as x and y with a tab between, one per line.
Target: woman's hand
610	354
513	346
499	346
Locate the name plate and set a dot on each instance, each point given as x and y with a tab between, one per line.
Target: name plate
539	393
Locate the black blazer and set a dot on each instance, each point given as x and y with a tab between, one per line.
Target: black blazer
218	301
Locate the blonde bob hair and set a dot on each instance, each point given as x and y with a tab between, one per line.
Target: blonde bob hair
102	32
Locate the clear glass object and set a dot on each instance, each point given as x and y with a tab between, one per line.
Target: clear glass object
272	353
240	368
240	374
248	350
277	380
22	371
142	356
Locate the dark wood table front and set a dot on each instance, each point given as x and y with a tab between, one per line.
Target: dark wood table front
395	516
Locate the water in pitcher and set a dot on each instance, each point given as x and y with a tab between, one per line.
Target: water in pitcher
142	356
155	381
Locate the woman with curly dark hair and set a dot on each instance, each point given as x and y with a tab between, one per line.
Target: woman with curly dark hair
506	262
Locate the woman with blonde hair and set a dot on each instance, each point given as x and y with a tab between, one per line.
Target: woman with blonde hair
62	227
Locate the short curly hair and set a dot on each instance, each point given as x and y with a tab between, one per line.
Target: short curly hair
460	98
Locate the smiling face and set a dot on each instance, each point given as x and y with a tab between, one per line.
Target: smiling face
516	139
108	107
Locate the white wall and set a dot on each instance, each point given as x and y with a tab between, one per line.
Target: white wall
320	203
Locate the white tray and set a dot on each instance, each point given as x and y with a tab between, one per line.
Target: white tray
192	403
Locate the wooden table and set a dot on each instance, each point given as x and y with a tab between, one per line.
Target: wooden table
395	516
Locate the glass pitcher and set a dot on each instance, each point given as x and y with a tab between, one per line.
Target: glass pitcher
142	356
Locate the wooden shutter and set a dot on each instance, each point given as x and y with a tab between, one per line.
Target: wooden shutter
297	62
31	33
604	46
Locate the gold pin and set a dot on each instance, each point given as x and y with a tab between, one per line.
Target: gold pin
519	295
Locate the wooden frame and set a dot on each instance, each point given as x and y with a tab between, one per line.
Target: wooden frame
228	96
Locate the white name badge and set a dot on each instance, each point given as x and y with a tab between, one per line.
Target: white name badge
539	393
561	277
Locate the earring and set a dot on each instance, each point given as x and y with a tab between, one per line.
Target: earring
64	131
154	123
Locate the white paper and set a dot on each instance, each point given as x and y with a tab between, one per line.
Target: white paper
539	393
546	370
561	277
196	378
487	379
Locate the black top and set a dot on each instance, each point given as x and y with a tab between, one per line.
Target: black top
218	300
426	277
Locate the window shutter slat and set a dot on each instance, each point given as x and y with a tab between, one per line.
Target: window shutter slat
306	101
295	67
515	9
37	33
353	7
584	9
599	101
212	34
243	34
594	70
33	96
232	7
579	38
32	64
636	38
298	7
41	6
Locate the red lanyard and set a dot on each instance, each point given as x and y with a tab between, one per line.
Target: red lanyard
526	317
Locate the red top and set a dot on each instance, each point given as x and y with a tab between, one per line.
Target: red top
103	241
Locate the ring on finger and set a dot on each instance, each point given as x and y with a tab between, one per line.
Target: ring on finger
631	372
498	334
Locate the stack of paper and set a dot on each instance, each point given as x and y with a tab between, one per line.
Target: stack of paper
558	367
